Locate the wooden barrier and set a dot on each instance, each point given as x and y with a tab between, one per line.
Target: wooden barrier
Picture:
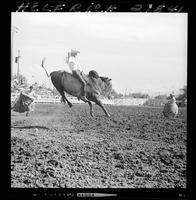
48	99
130	101
44	99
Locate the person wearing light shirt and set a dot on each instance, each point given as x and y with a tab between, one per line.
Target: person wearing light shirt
76	70
172	99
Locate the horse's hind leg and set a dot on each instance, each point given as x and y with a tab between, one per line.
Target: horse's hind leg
91	108
65	99
99	103
90	104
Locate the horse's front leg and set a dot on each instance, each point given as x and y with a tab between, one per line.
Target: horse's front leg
99	103
91	109
69	103
90	104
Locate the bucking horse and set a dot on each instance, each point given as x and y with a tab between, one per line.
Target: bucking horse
96	86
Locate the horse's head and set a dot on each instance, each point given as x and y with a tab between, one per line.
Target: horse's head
107	86
100	83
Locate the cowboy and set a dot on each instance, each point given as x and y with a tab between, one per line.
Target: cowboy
76	70
171	108
172	99
32	95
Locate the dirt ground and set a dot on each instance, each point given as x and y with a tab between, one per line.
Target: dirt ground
137	147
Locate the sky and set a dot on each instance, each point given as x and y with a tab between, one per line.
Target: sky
140	52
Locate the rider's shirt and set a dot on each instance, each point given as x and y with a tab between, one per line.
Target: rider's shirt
73	65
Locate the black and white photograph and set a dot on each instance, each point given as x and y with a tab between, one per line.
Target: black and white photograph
98	100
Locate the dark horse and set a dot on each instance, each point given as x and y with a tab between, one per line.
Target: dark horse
65	82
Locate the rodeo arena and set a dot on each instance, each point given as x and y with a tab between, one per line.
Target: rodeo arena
60	139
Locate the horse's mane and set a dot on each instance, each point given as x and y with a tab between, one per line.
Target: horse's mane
105	79
103	84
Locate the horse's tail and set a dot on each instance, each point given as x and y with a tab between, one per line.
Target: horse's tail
42	65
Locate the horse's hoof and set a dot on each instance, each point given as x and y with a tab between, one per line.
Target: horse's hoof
92	115
70	105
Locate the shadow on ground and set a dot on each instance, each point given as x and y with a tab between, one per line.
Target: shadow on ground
30	127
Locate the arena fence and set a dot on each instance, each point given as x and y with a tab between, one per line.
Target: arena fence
46	99
130	101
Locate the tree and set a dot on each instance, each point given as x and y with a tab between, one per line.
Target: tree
22	80
138	95
183	96
163	96
18	82
116	94
14	77
54	91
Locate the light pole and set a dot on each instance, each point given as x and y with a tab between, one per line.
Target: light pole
18	70
13	30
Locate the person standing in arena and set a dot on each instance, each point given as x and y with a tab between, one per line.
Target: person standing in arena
172	99
30	93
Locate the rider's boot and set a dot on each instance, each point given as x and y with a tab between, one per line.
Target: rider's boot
83	94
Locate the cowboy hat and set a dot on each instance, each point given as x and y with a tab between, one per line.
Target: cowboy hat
171	96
